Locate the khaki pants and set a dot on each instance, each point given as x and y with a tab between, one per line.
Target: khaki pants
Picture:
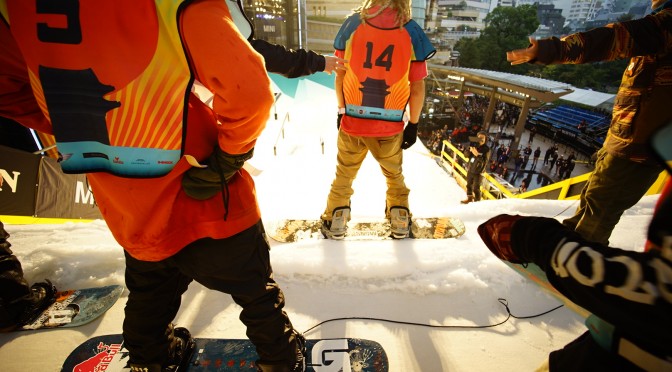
614	187
351	153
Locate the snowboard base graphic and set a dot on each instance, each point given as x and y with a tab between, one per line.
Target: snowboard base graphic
107	353
535	274
76	307
287	231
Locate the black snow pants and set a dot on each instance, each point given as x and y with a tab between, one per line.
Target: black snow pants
238	265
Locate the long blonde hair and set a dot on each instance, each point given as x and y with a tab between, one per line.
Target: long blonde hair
403	8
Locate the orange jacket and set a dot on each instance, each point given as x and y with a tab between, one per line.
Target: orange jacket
379	51
153	218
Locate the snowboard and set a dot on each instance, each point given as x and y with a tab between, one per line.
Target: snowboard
107	353
536	275
288	231
76	307
602	331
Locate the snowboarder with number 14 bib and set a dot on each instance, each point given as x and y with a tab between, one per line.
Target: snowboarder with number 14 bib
385	72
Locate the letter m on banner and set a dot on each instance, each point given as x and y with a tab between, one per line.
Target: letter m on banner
83	194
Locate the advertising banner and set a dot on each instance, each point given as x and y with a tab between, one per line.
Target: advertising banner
18	181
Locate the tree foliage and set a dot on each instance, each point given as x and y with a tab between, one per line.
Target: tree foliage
507	29
604	77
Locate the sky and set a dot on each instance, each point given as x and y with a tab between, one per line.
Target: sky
455	283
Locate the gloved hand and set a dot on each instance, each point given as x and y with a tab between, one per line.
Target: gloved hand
338	121
204	183
496	234
410	135
4	243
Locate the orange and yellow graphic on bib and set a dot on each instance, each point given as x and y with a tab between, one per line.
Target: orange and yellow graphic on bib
378	55
131	46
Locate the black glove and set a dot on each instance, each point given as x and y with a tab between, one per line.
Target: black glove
338	121
204	183
410	135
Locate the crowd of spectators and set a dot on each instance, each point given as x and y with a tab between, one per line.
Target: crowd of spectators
504	162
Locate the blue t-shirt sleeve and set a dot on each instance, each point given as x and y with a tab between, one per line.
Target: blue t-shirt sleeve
422	47
347	28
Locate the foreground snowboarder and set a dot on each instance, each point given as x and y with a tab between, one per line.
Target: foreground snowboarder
628	291
112	81
385	71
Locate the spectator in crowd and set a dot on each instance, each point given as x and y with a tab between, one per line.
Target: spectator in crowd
549	152
371	73
527	151
569	168
479	157
554	158
518	163
625	168
532	131
523	185
503	158
535	157
559	166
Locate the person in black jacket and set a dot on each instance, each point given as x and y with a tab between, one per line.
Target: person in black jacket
19	302
280	60
625	170
479	157
295	63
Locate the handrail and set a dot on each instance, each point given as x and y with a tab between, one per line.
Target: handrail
569	189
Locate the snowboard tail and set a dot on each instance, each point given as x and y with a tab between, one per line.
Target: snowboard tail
107	353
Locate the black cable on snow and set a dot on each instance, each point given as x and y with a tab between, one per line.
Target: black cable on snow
502	301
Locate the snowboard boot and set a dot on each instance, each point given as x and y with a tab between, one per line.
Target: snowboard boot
182	347
400	222
299	365
336	228
41	296
468	200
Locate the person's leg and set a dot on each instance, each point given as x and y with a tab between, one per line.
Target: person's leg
240	266
13	286
469	188
155	291
615	186
351	154
387	151
476	186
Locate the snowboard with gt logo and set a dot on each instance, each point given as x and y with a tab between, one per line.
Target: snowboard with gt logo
288	231
107	353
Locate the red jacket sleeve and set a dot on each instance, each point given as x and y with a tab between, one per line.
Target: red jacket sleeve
241	87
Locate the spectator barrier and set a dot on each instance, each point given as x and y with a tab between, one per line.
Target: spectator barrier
453	160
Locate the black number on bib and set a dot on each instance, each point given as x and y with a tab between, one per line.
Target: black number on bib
72	33
383	60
